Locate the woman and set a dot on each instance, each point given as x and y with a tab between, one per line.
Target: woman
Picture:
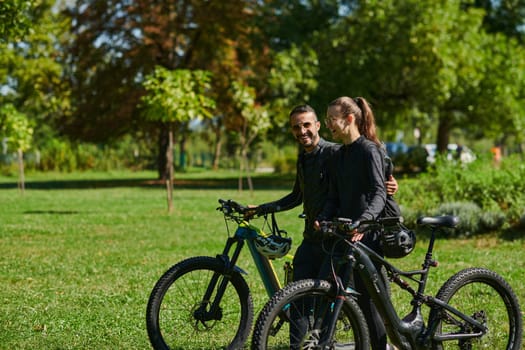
357	189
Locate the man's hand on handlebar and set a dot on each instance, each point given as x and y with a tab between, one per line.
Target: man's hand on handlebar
251	211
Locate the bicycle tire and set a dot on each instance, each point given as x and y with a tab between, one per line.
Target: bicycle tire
476	290
170	317
351	329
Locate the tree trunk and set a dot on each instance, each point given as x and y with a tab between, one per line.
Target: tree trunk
218	146
182	149
443	135
241	168
163	144
21	177
244	167
248	175
169	164
243	154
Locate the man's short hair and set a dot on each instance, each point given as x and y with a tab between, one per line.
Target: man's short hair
302	109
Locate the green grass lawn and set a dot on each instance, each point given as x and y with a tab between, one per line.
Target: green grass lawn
78	259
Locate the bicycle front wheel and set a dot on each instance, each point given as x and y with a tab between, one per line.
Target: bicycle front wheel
296	318
487	297
179	316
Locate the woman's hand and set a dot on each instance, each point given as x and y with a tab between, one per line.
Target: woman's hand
356	236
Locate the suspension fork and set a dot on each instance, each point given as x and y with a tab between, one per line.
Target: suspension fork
214	311
333	309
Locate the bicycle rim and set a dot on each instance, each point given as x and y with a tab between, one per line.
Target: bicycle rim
486	297
296	319
176	306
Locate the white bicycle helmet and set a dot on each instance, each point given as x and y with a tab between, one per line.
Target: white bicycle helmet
273	246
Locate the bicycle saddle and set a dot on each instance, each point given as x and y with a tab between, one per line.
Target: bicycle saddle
445	220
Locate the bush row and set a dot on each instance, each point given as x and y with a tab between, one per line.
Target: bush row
66	156
485	196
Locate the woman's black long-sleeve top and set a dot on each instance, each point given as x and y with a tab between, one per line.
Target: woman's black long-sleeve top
357	187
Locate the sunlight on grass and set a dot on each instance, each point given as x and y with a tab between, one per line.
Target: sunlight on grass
77	265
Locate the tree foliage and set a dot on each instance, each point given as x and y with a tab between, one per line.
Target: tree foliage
437	65
177	96
422	62
292	81
506	17
118	43
32	70
15	20
15	128
253	121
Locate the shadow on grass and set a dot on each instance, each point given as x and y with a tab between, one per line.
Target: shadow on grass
259	182
52	212
514	233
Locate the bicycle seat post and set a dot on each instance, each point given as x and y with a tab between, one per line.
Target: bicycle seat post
428	257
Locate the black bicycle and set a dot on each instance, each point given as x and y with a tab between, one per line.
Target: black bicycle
204	302
474	309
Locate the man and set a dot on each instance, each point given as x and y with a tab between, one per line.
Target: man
310	188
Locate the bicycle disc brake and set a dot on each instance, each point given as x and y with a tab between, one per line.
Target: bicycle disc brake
202	317
311	340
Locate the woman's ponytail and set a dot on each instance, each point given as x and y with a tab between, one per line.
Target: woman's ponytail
366	124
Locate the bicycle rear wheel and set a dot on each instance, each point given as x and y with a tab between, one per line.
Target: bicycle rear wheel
293	319
178	317
488	298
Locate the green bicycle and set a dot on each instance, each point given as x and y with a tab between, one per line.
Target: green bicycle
204	302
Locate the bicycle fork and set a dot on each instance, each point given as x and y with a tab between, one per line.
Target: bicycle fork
332	310
211	310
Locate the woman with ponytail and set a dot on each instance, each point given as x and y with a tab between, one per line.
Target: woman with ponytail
357	187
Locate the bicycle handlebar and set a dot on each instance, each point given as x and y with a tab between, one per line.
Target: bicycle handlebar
344	226
229	207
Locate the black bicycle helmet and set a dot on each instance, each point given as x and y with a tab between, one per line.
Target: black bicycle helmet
397	241
273	246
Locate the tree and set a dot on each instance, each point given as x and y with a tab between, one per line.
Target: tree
290	28
292	81
32	74
507	17
501	92
254	121
425	59
175	97
117	43
14	127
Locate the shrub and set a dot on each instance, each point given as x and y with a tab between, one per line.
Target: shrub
285	164
472	219
484	196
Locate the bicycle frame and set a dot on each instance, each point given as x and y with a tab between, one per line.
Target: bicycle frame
245	233
410	331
